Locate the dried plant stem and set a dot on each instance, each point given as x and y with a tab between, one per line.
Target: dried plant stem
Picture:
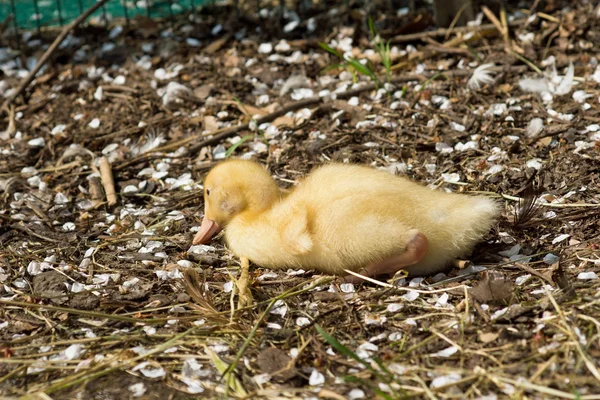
12	125
449	289
590	319
530	64
426	389
504	21
444	31
447	339
368	279
493	19
74	341
521	383
542	367
108	181
418	391
21	227
456	18
95	191
12	373
584	356
93	314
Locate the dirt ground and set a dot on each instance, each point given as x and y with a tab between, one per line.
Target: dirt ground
111	301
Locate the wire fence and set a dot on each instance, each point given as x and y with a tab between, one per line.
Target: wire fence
33	16
20	20
37	14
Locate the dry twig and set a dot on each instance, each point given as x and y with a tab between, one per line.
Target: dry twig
108	181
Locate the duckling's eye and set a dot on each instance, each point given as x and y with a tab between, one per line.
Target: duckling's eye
208	192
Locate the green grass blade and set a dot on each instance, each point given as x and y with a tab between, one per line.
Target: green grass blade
330	49
433	78
372	27
232	382
341	348
383	368
363	69
388	56
230	150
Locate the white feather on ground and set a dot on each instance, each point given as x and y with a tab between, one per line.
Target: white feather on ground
481	76
566	84
534	85
153	140
551	83
174	93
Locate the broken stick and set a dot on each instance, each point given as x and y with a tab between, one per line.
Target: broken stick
108	181
95	191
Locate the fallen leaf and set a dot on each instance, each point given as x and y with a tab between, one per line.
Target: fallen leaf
488	337
284	120
231	60
45	78
356	114
493	289
202	92
251	111
21	326
560	277
217	44
50	285
211	123
546	141
276	363
504	88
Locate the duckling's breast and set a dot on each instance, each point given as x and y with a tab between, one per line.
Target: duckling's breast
259	240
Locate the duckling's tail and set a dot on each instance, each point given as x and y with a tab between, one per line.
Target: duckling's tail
474	222
464	224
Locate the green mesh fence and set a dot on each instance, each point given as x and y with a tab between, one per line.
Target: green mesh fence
33	14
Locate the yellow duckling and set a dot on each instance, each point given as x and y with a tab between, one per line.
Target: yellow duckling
341	217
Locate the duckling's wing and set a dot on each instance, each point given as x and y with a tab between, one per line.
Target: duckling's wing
294	231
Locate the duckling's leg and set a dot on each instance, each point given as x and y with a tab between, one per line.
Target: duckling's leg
245	298
415	251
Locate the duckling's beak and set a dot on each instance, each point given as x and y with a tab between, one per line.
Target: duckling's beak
208	229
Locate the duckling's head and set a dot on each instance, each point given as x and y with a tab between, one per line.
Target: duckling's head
230	189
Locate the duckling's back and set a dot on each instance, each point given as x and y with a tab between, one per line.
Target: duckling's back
360	214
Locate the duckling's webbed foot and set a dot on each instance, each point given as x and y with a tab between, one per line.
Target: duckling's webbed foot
415	251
